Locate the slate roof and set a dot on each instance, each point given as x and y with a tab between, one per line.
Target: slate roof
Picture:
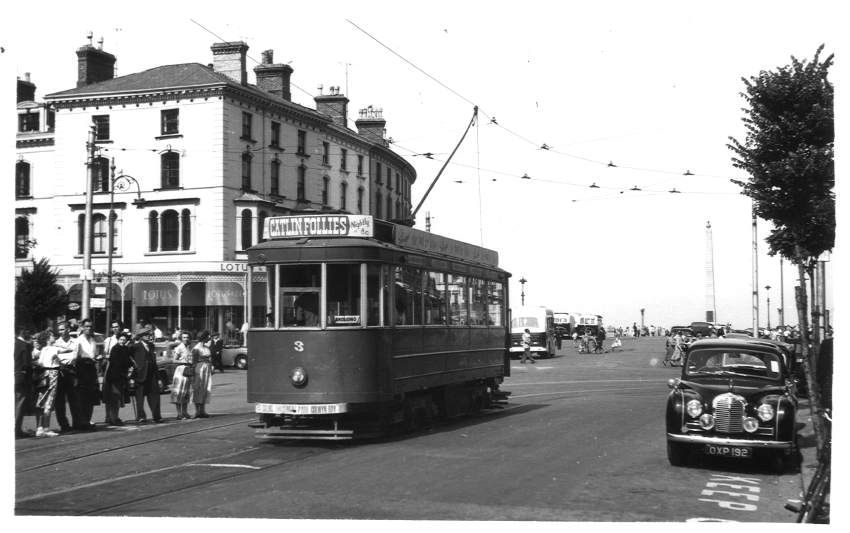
158	78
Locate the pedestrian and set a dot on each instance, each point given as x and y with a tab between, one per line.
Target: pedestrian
112	340
678	349
526	347
617	343
87	391
66	392
668	349
202	383
48	362
116	376
600	340
181	383
216	347
145	377
24	386
635	328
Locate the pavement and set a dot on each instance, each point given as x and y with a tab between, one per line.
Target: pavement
807	444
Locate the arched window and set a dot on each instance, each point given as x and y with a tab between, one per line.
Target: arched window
153	231
22	179
170	231
186	229
261	220
246	229
99	234
170	170
22	237
246	171
343	193
100	174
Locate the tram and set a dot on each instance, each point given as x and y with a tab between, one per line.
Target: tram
360	326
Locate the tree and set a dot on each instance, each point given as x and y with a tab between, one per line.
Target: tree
38	298
788	153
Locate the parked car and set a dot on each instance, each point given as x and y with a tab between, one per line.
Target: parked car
735	398
703	329
235	355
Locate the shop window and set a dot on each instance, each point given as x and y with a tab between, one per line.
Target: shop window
458	300
170	121
343	294
100	174
408	296
435	298
22	237
22	180
170	170
261	221
245	228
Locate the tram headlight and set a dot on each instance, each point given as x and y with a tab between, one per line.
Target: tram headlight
765	412
298	376
694	408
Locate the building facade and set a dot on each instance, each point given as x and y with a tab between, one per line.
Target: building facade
188	161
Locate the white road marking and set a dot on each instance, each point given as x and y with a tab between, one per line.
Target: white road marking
221	465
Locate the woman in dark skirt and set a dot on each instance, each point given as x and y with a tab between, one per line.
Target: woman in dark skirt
116	379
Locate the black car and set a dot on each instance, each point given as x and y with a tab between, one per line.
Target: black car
735	398
703	329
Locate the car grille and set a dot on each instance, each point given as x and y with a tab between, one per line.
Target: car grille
728	413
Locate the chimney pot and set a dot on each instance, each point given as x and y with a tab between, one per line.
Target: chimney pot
268	57
273	77
229	59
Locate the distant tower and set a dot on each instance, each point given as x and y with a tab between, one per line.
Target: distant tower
710	309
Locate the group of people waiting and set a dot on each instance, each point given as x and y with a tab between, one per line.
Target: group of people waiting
56	372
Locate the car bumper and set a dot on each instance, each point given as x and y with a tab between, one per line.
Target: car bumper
520	349
702	439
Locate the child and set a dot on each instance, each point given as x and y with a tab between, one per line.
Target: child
617	343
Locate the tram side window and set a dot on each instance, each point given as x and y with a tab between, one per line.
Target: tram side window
435	298
495	302
477	302
262	297
408	296
343	293
300	286
458	300
377	288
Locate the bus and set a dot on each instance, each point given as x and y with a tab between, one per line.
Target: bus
540	322
360	326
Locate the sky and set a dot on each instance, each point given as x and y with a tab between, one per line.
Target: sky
652	87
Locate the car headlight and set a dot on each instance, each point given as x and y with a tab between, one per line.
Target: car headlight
765	412
298	377
706	421
694	408
750	424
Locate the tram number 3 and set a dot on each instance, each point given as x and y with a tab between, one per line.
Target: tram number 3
298	346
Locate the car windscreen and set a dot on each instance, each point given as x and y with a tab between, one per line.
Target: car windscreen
525	322
729	361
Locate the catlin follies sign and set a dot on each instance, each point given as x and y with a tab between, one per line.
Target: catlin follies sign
318	226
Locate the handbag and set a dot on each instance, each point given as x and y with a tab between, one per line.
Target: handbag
188	371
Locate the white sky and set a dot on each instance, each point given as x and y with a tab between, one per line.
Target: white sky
650	85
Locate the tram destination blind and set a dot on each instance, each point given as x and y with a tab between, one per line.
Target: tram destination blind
292	227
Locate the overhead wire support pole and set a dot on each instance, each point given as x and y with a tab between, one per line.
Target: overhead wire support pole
471	122
86	273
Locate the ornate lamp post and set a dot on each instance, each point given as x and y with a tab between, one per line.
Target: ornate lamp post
767	288
523	281
121	182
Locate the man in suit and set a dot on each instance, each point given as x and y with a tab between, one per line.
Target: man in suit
23	380
216	346
144	359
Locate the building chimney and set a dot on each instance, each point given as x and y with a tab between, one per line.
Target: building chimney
334	105
372	125
94	65
273	77
229	59
26	89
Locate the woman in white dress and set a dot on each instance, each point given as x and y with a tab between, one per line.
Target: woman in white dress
181	384
202	385
46	356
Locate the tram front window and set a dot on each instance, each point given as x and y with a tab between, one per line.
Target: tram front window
300	286
343	294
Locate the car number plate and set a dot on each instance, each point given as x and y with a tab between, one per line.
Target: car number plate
728	451
301	408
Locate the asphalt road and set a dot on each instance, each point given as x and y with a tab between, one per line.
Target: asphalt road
581	439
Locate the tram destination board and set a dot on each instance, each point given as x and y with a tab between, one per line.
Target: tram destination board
293	227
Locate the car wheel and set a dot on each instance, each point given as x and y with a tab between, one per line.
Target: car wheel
677	453
241	362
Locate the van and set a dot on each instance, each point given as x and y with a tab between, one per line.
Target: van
540	322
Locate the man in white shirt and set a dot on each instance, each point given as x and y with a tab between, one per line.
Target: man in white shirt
88	394
65	391
112	340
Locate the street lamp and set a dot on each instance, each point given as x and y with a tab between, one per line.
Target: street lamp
122	183
767	288
523	281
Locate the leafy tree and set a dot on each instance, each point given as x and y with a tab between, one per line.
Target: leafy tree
38	298
788	153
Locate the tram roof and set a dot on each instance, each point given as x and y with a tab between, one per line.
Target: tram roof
381	236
